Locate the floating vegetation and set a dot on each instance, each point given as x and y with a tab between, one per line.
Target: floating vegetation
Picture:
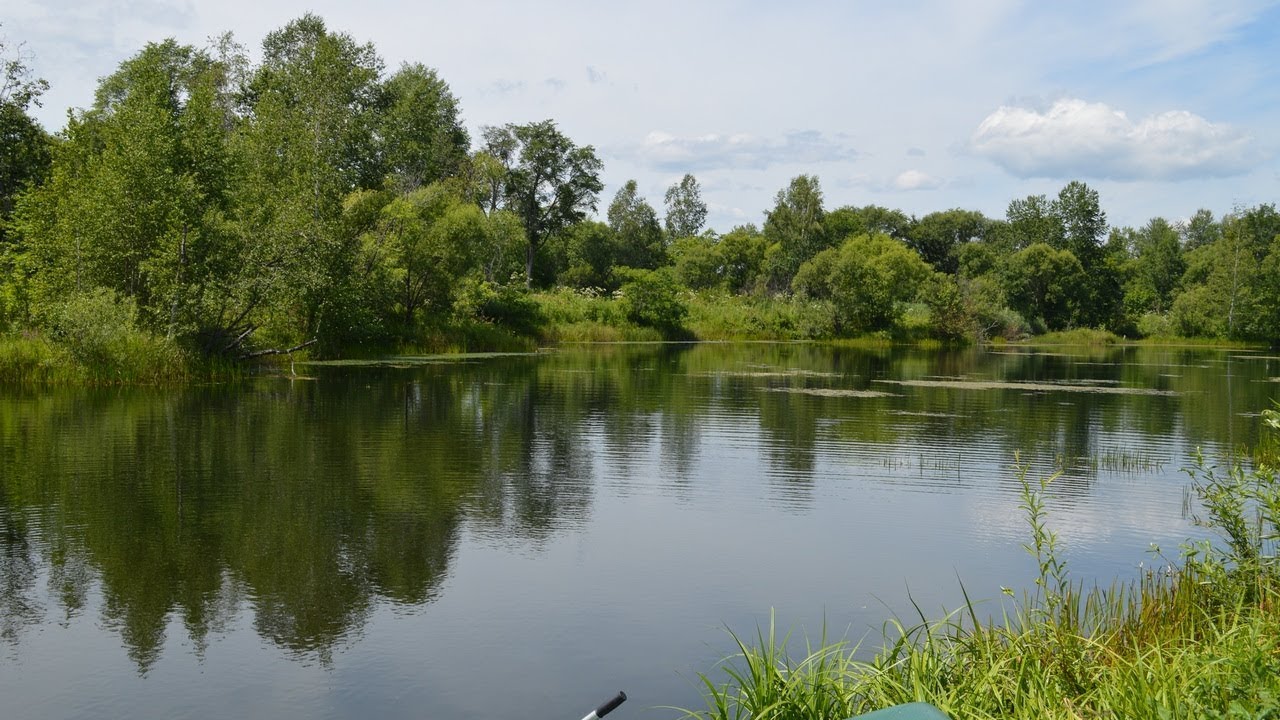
408	361
923	413
768	374
834	392
1083	382
1028	387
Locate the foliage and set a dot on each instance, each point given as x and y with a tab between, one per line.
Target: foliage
550	183
422	135
652	298
637	234
1045	283
686	211
866	279
795	227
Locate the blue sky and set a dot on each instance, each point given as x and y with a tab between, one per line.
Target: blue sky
1164	106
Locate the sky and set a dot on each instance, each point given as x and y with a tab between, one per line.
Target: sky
1163	106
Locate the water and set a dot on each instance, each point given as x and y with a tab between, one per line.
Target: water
521	536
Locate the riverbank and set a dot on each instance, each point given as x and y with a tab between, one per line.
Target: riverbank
121	353
1198	637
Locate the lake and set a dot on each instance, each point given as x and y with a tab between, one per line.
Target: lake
524	535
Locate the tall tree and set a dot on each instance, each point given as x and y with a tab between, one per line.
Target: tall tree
636	230
314	106
422	135
24	145
138	191
686	212
1034	219
1084	224
937	235
1200	230
795	227
1157	265
551	183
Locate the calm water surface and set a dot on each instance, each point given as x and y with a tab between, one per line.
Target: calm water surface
521	536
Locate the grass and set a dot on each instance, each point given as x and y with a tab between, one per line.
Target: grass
133	359
1077	337
1198	638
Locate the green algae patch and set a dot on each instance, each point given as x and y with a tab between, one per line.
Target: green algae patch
835	392
1029	387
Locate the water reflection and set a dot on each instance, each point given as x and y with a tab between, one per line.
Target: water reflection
306	505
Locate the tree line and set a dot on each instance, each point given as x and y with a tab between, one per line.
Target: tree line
316	198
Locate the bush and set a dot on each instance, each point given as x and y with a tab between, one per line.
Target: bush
1155	325
651	298
505	305
100	333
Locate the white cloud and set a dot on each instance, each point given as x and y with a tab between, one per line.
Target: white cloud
669	153
1075	138
905	181
916	180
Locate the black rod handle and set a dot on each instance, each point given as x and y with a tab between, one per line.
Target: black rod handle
612	705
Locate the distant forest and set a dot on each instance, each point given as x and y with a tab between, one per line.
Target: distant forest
210	207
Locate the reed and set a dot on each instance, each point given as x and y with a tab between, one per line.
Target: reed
1197	637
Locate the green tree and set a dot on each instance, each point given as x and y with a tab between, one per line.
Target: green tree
698	262
310	139
636	229
867	279
418	249
1200	230
742	256
795	227
846	221
1032	220
938	235
1157	267
592	255
422	136
550	183
1043	282
138	192
686	212
1084	224
24	145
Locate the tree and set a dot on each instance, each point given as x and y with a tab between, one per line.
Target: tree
1032	220
550	184
1200	230
843	222
592	254
742	255
138	192
686	212
1044	282
636	230
1157	267
936	236
24	145
422	136
867	278
1084	224
418	249
309	140
795	226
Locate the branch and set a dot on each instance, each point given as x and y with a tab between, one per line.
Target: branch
278	351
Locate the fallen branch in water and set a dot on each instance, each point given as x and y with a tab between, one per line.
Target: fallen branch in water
278	351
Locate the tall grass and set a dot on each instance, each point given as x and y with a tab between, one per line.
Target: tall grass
1197	638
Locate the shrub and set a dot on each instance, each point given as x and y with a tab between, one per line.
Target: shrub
651	298
506	305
